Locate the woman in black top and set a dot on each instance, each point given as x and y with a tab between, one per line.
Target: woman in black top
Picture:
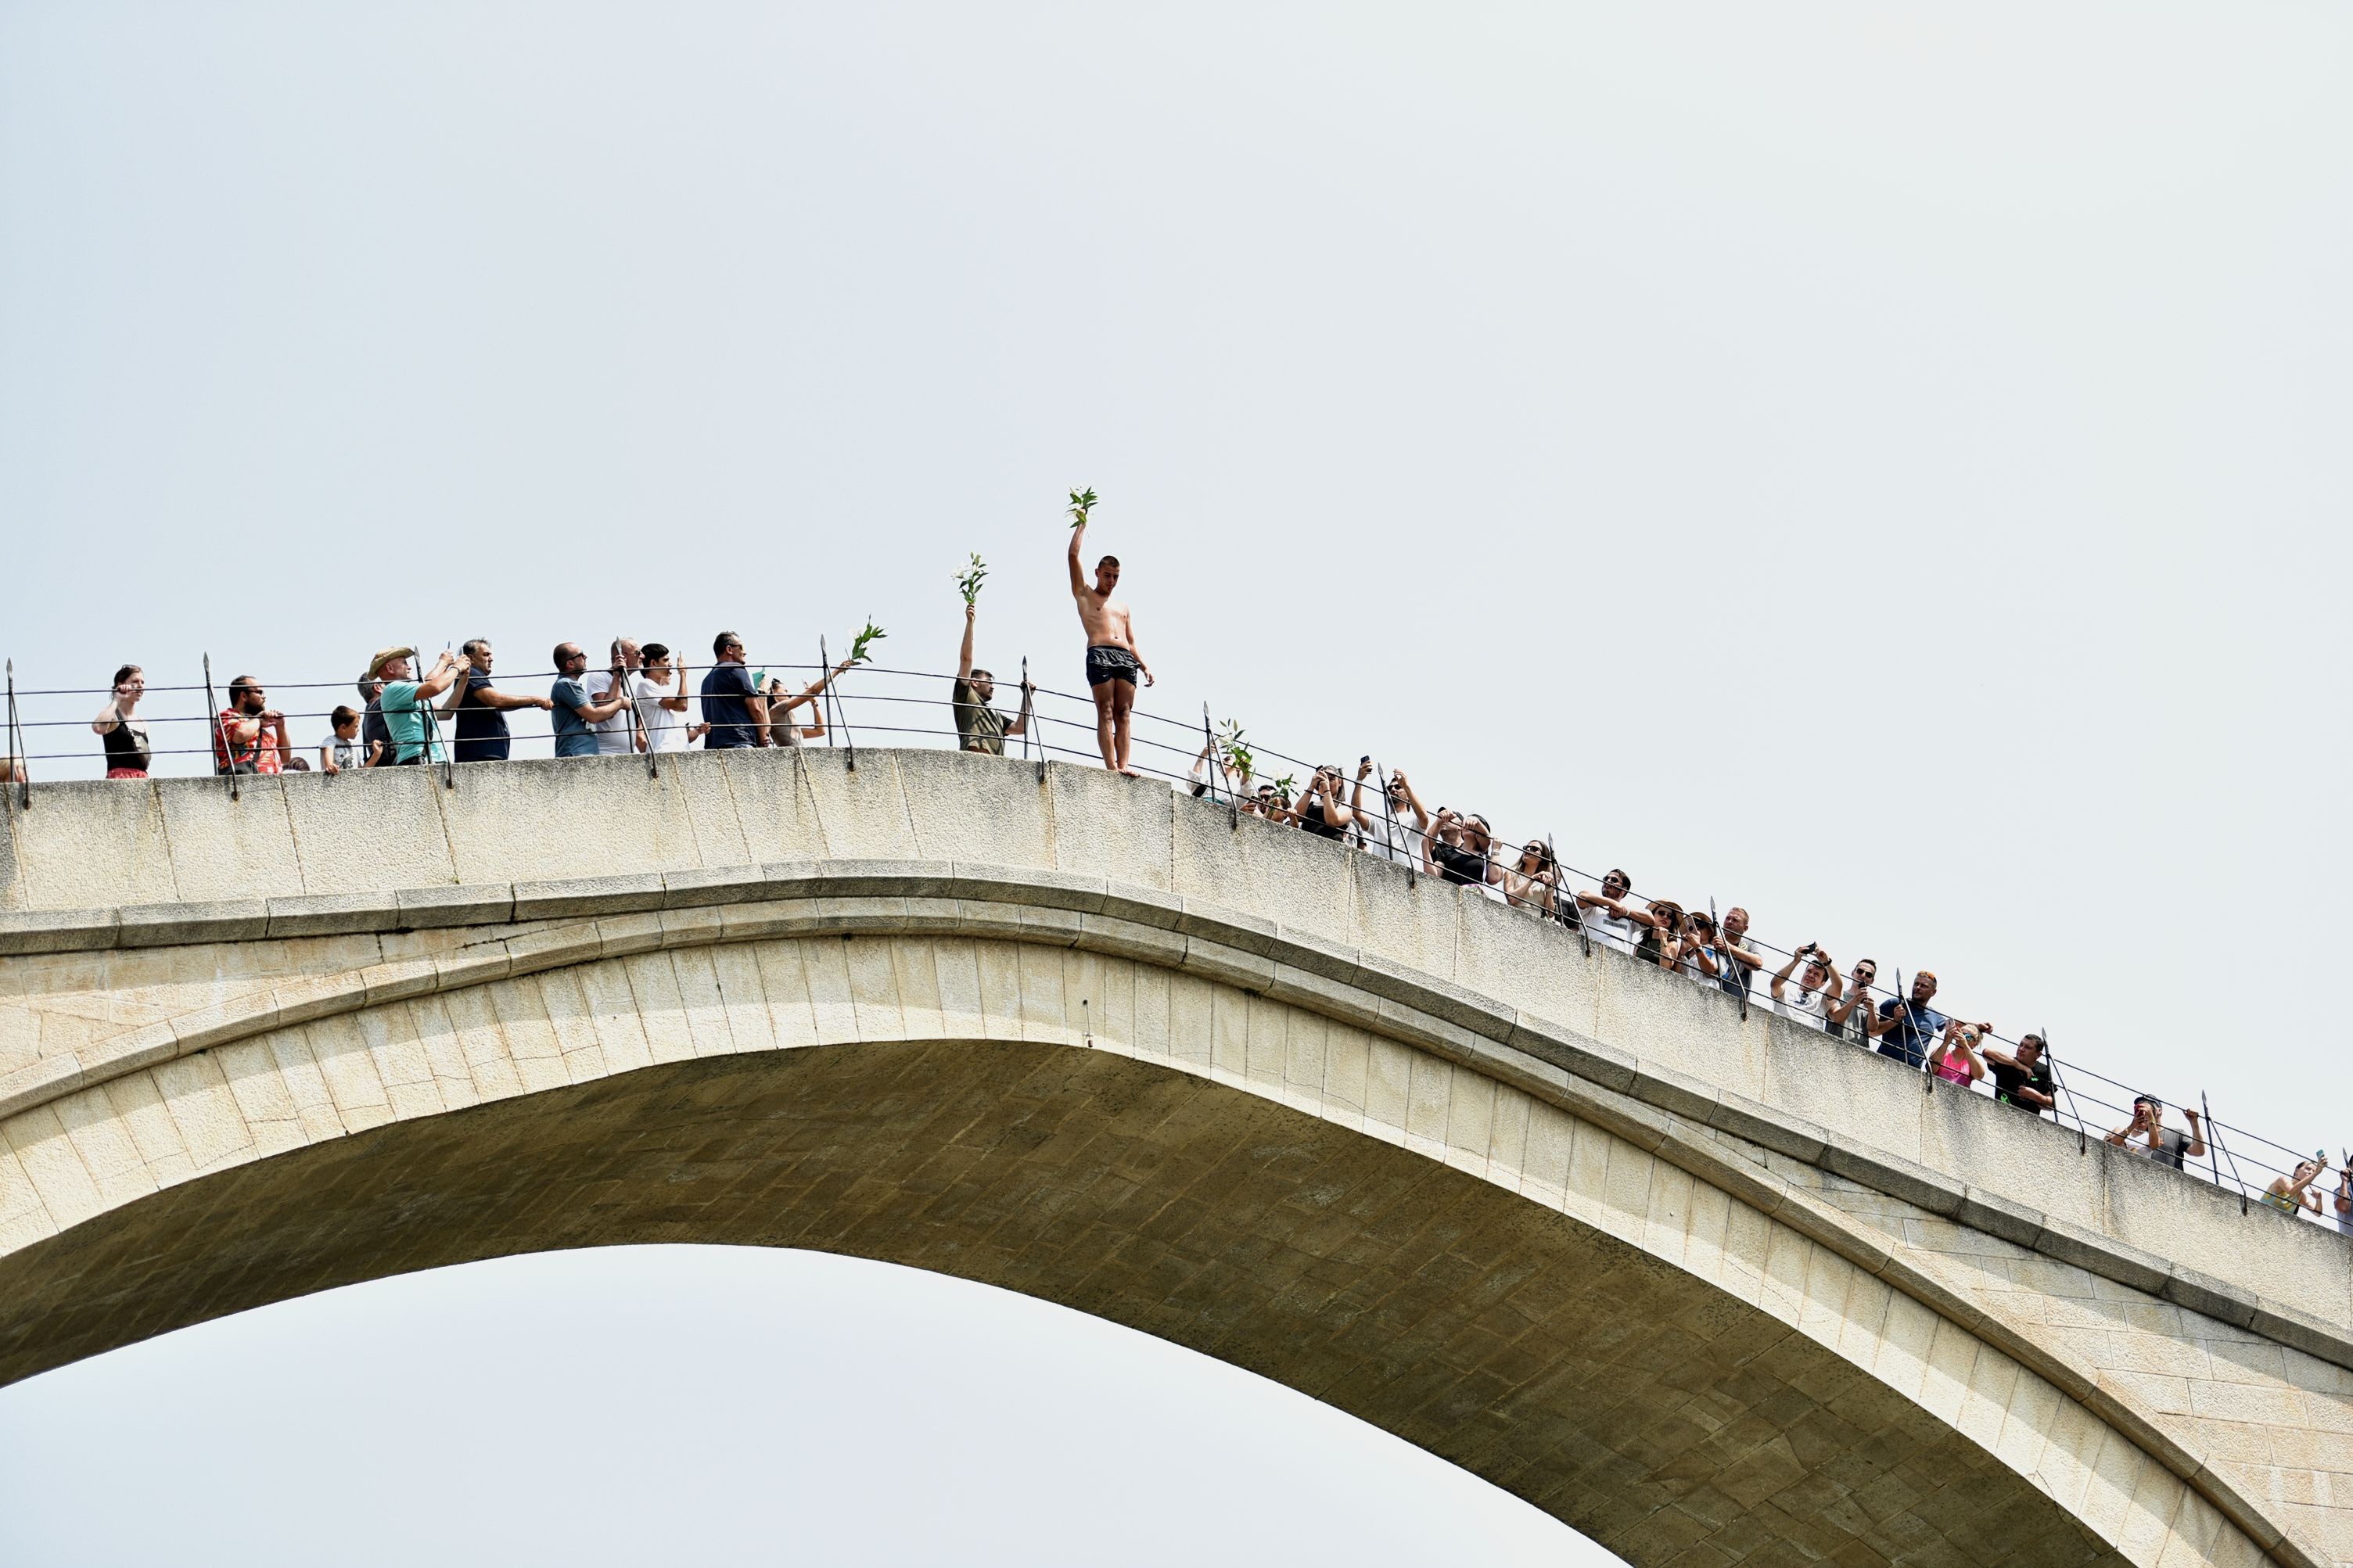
1459	849
128	749
1658	942
1321	811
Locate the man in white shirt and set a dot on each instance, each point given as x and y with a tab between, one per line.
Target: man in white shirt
1606	915
658	693
1397	829
1817	990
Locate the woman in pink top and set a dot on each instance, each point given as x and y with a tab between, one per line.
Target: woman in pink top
1955	1059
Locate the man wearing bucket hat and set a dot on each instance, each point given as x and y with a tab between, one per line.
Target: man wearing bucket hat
406	700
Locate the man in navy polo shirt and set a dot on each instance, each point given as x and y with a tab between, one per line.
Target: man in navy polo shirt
1908	1030
736	712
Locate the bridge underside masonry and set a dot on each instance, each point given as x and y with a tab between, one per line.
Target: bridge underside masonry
1708	1289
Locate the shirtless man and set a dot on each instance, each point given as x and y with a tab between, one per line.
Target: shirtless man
1113	662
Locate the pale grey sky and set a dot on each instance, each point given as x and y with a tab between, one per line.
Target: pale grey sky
1884	467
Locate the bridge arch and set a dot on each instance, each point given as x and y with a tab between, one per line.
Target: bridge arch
1617	1294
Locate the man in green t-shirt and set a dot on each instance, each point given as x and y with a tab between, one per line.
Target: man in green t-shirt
979	727
407	701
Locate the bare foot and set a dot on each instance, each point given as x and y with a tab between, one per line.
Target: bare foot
1132	771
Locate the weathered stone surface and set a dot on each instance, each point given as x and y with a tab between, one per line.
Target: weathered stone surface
1710	1288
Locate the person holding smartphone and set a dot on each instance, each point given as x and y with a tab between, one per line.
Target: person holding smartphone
1818	989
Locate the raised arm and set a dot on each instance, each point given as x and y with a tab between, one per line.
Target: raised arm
964	654
2197	1145
446	669
1781	975
1078	577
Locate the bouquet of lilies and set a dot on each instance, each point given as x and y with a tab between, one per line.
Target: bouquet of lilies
969	581
1081	502
864	640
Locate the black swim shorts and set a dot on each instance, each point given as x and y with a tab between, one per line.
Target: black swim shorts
1105	662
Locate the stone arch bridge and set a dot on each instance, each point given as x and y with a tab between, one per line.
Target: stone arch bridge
1709	1289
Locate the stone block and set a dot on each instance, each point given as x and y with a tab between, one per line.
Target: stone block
2103	1254
38	1083
1144	906
731	884
1768	1128
1523	961
1227	928
576	896
2203	1293
1865	1099
375	830
773	805
1004	884
176	925
1411	919
433	909
225	848
1996	1216
855	879
1332	998
57	930
1678	1022
1929	1189
1585	1059
90	845
224	1023
333	914
1121	829
975	807
1128	939
698	784
549	819
1336	961
1679	1094
127	1054
861	812
556	947
1302	882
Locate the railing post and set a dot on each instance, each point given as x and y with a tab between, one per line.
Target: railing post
16	758
2214	1140
834	706
220	735
1570	915
433	736
637	731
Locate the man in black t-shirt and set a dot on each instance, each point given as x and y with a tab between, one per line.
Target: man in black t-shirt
2021	1077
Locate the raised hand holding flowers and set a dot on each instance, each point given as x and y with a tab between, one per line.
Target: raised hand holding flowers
865	639
1081	502
969	581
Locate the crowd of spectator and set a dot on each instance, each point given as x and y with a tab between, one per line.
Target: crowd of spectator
645	700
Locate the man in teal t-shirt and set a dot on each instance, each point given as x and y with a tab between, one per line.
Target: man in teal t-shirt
406	699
